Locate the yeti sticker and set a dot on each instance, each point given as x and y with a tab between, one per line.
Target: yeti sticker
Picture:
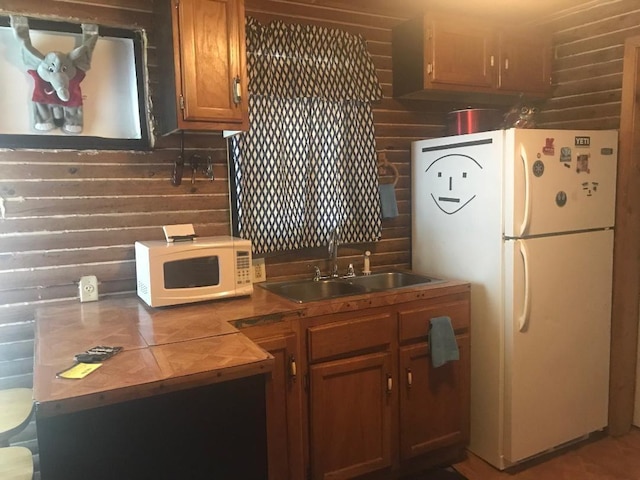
452	180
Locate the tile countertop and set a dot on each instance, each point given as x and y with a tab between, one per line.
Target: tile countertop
170	348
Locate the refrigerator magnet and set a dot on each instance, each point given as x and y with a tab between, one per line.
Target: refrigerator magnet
582	165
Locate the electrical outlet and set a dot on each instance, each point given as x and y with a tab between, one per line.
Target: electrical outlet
88	287
259	270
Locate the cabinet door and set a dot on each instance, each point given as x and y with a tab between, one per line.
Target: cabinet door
460	52
211	48
350	416
284	433
525	61
434	402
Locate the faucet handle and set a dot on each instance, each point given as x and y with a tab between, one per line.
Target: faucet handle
351	271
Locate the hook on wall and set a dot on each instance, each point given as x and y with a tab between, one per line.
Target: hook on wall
195	162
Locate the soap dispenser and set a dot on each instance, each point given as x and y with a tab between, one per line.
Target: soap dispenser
367	267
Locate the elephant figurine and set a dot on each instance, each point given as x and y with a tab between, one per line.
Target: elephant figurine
57	97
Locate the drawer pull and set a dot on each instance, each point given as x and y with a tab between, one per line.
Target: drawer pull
389	383
293	368
409	377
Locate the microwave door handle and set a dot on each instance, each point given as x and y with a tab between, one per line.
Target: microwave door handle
523	319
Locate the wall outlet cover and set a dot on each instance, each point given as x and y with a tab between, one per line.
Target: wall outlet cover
259	271
88	286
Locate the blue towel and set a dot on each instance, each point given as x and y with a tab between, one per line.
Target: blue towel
442	341
388	200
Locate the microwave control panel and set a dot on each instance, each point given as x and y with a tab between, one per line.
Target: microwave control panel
243	267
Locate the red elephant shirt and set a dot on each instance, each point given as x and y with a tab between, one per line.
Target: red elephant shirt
43	92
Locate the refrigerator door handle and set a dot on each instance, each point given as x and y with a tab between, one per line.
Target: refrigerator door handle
523	319
527	195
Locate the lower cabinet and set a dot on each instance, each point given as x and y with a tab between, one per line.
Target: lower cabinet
351	396
350	416
434	407
375	401
283	406
355	394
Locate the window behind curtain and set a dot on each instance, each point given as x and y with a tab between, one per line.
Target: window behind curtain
308	163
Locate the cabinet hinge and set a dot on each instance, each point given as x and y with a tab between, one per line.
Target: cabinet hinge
181	102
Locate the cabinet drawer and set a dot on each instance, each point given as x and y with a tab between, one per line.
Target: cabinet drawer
414	319
351	335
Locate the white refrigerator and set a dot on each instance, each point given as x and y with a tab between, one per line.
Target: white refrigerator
527	217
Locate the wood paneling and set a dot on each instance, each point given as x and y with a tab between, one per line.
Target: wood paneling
587	72
626	269
64	214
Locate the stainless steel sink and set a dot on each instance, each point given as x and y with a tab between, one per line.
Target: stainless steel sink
390	280
303	291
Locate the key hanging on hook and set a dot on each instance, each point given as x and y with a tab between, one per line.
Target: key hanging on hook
208	170
195	163
178	165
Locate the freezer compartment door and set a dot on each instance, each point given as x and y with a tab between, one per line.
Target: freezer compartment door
558	311
559	181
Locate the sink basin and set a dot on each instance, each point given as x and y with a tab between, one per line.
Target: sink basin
390	280
302	291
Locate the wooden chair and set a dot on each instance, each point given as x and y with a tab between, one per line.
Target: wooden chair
16	409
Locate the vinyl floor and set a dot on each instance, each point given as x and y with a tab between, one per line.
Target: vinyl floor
607	458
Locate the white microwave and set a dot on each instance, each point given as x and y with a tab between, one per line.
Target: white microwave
207	268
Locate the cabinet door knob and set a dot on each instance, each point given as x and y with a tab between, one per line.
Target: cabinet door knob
237	90
506	64
389	383
409	377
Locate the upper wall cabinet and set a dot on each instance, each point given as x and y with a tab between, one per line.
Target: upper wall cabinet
525	61
202	65
451	57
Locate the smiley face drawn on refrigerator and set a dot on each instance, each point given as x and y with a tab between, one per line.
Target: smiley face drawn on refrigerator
453	178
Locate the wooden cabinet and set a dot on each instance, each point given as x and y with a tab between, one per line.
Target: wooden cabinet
202	79
434	402
524	61
284	425
376	403
449	56
351	397
350	416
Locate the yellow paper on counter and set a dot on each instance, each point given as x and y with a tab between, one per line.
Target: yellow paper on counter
79	370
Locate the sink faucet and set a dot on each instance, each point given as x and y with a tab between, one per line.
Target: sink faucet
334	243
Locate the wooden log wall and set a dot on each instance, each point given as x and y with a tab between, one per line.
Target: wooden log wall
587	71
66	214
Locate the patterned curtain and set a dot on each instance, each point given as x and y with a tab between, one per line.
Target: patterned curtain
308	162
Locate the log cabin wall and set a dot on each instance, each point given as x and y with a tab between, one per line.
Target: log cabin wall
66	214
587	71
